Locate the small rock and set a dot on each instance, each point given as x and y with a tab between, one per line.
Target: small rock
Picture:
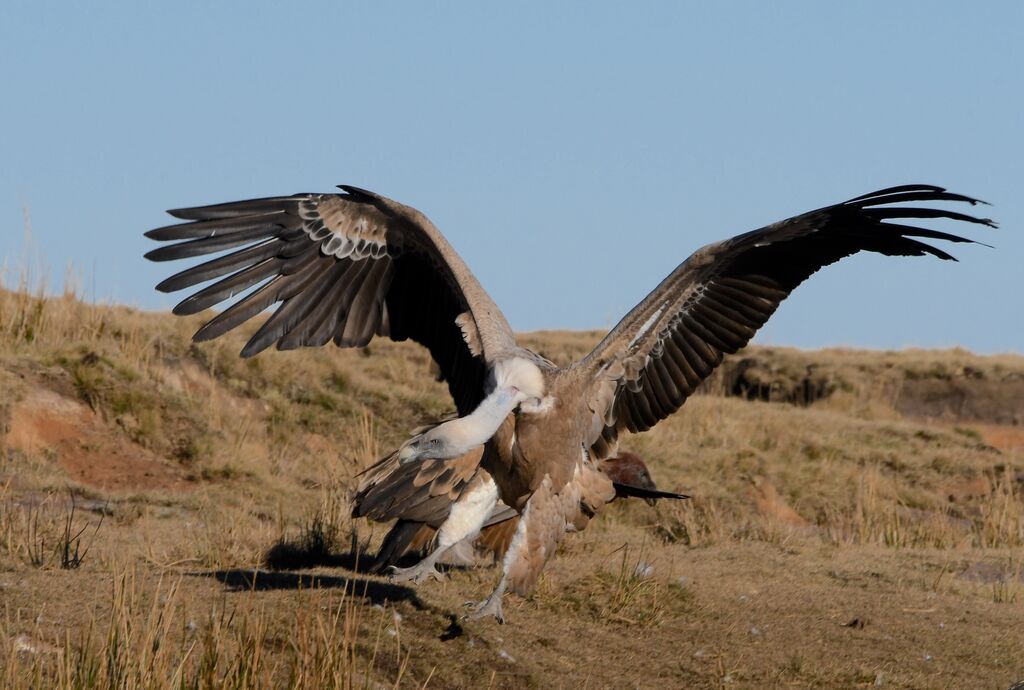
755	631
699	654
643	570
506	656
23	644
879	679
396	617
391	631
928	657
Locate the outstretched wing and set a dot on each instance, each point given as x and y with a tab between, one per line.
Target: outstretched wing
714	302
344	267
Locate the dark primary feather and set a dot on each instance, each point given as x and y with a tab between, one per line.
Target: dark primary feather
715	301
278	251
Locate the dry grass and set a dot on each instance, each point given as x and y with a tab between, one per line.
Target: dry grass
200	465
150	637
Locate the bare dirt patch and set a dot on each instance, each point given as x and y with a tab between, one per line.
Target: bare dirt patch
45	423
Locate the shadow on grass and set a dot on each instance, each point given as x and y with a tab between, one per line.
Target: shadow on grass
291	555
257	580
318	545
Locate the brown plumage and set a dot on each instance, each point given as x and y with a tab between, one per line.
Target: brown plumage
420	514
345	267
630	477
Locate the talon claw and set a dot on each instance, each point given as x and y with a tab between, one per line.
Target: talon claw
491	606
416	574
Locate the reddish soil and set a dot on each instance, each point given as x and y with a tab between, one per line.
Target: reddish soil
48	425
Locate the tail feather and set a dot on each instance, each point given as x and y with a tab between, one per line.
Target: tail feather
397	543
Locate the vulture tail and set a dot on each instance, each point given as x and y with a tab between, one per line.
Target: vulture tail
396	544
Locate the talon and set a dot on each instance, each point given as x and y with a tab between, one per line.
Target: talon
491	606
416	574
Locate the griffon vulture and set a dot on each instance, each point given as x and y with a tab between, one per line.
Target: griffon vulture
346	267
448	514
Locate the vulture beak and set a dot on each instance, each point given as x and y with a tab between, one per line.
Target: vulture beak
409	452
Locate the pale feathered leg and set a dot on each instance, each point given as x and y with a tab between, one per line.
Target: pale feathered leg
491	606
540	528
467	516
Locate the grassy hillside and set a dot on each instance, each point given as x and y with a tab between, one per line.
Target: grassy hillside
857	520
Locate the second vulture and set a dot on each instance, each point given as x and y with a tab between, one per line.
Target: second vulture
346	267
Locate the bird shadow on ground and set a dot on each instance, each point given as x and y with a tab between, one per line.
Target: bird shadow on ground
291	555
257	580
301	555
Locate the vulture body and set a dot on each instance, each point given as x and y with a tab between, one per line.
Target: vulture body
346	267
448	515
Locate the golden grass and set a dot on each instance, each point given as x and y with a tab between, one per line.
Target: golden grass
149	637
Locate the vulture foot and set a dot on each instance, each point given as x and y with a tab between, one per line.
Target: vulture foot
418	573
491	606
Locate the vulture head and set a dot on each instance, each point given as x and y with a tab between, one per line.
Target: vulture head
629	470
434	443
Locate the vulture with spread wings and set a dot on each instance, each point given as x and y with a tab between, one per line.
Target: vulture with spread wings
346	267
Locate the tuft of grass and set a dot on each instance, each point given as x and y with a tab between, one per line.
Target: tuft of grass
698	521
1009	589
72	550
1002	515
320	541
629	594
39	532
28	532
316	545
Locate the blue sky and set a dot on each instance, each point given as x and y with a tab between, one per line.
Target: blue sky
574	153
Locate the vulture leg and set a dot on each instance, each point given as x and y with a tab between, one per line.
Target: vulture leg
491	606
540	529
467	516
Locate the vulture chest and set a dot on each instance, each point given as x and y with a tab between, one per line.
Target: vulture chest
529	447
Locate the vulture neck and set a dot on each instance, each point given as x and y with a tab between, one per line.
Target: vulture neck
516	381
477	427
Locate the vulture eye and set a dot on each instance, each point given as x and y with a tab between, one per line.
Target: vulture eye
435	441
